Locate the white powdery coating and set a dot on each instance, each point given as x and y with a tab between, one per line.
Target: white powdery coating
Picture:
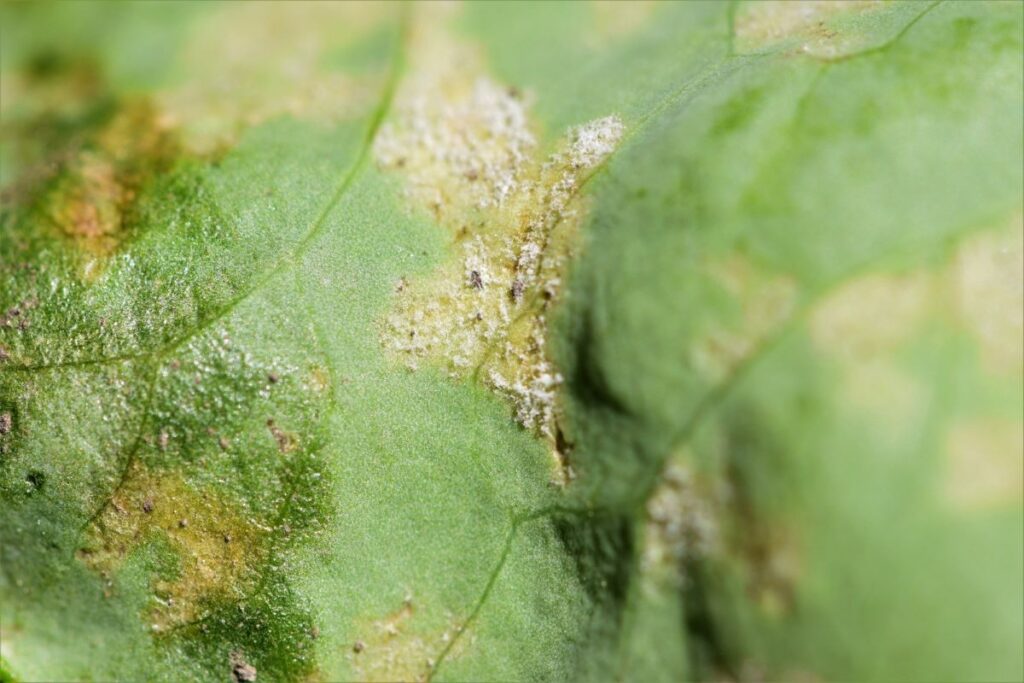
680	522
594	141
467	154
533	385
474	145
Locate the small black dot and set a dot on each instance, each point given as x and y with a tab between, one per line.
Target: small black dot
37	479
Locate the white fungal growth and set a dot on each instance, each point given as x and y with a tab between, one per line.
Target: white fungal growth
470	150
681	524
464	148
592	142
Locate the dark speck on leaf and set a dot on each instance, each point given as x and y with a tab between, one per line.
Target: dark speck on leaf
475	281
358	646
36	479
273	378
517	289
241	670
147	505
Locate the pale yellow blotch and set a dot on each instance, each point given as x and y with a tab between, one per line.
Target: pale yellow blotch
468	155
765	300
885	392
251	62
395	648
614	19
218	547
871	315
985	463
988	272
318	380
12	90
804	23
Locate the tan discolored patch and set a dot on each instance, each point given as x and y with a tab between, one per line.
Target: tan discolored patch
988	271
805	23
985	463
871	314
218	547
393	648
467	154
252	62
764	300
681	523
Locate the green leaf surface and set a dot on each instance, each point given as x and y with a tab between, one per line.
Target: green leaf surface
511	341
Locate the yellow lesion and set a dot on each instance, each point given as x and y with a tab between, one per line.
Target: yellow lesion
765	301
806	23
469	156
396	647
881	389
218	547
90	201
614	19
872	314
318	380
988	281
985	463
252	62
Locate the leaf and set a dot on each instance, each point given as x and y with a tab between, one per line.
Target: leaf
511	342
